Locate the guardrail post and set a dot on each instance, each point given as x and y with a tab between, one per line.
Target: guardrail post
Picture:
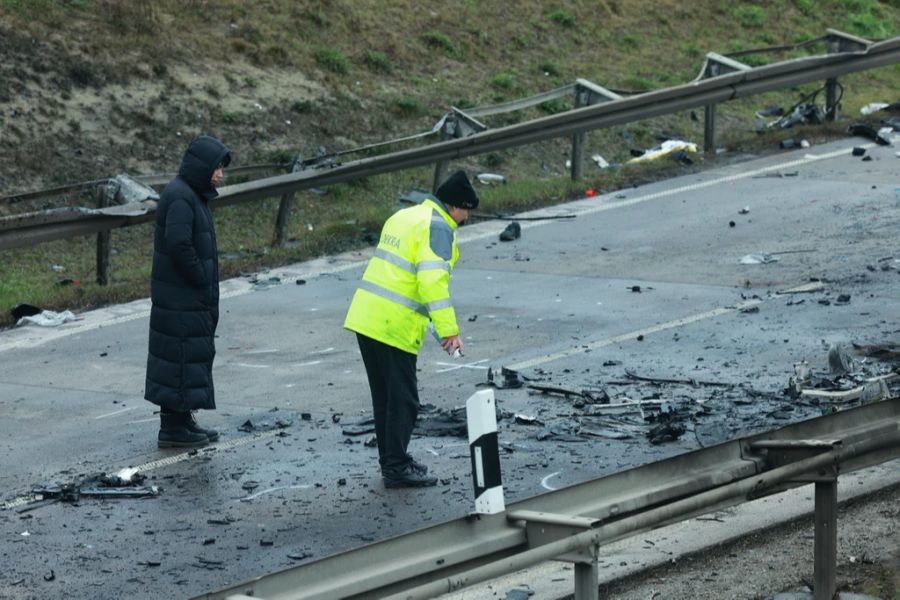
709	129
103	239
586	578
581	99
716	65
831	109
839	41
824	585
448	131
284	207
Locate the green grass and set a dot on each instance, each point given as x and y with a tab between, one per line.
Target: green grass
442	41
333	60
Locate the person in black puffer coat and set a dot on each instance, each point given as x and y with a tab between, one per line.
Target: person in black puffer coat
184	292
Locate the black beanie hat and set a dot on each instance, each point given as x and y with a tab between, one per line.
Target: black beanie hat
458	191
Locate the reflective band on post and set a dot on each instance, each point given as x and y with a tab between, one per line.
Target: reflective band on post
481	418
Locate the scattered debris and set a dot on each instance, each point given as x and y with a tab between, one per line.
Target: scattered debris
521	592
527	420
599	161
510	379
757	258
94	486
868	109
839	360
675	149
512	232
691	382
249	426
361	427
24	310
879	136
490	178
48	318
590	396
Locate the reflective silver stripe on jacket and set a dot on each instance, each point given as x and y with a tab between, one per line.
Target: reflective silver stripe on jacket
393	296
439	304
433	265
395	260
404	264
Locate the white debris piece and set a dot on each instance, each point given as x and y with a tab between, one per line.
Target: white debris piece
490	178
868	109
48	318
758	258
600	161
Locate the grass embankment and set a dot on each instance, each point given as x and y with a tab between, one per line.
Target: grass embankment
380	69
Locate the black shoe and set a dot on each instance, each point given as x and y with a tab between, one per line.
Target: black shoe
173	433
417	466
192	425
407	477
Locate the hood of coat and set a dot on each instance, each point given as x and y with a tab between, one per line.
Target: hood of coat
200	160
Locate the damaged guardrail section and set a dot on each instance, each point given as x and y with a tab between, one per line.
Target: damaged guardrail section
32	228
573	523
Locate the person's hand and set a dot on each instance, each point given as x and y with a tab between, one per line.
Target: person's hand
451	344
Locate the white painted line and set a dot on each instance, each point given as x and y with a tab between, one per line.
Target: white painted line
274	489
546	485
581	349
29	338
456	366
267	351
307	364
249	366
118	412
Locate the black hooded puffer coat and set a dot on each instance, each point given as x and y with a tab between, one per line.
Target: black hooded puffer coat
184	284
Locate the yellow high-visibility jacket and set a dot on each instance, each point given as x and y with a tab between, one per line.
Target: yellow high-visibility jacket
407	281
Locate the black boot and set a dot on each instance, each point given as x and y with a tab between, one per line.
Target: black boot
173	432
191	424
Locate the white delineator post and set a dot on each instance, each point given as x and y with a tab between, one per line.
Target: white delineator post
481	417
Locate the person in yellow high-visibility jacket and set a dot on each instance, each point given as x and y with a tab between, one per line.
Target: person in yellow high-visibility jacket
405	286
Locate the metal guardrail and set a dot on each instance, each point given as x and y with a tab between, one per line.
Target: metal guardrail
573	523
31	228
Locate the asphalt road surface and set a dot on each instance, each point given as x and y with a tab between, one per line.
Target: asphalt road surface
643	283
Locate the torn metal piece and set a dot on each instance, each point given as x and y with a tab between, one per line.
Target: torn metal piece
693	382
508	378
591	396
872	390
839	360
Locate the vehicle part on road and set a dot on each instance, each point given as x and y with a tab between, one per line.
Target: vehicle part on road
512	232
96	486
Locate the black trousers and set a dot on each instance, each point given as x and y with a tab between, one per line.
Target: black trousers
395	399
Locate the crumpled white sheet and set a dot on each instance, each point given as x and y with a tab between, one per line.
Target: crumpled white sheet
48	318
